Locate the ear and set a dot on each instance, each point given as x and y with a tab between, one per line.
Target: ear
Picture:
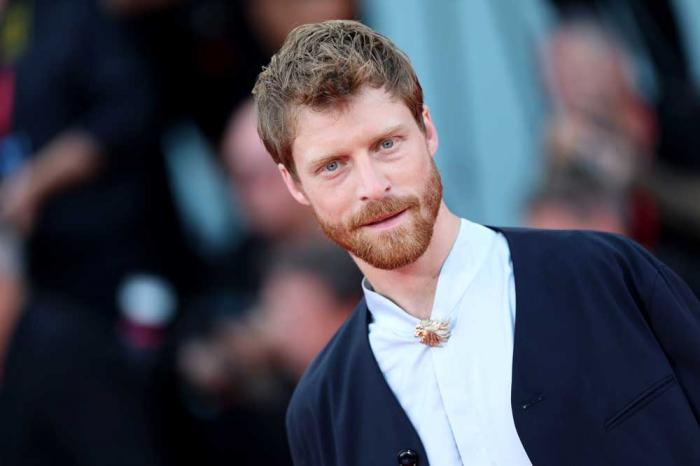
293	185
431	136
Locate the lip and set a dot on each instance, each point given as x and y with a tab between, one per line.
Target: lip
386	221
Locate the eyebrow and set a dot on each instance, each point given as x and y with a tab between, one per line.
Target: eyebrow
387	132
329	158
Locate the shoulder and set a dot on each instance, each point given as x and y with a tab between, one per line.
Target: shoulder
577	256
577	246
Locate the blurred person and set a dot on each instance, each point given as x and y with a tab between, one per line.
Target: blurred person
81	180
600	124
271	217
204	58
574	205
664	43
203	55
67	396
602	128
662	38
273	221
83	184
307	294
266	205
433	366
242	371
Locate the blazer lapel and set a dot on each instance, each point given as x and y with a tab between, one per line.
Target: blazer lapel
382	425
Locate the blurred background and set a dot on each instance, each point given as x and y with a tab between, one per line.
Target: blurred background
161	292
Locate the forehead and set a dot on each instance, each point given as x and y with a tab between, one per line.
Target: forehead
362	117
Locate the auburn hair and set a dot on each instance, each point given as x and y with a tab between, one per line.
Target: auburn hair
321	66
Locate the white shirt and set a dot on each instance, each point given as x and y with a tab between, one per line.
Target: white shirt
457	396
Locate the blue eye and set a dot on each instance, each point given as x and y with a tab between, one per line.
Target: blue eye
387	144
331	166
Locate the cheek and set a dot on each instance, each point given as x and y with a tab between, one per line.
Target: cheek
414	173
333	205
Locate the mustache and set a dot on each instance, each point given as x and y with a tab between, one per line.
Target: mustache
387	207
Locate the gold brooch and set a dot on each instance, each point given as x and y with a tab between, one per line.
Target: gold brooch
433	332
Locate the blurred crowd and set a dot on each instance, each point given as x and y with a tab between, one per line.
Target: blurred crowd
160	290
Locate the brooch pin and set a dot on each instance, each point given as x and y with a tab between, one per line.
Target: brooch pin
433	332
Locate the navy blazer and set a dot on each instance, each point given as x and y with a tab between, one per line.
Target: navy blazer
606	366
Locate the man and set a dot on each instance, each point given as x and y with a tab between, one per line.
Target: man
309	291
266	206
473	345
84	189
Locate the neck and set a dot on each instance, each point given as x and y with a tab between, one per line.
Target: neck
413	287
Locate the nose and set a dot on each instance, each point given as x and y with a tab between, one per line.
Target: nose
373	183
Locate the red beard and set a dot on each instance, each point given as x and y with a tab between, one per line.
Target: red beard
399	246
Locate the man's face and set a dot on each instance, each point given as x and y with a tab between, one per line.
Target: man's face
367	171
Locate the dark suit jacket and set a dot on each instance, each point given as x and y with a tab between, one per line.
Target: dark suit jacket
606	366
